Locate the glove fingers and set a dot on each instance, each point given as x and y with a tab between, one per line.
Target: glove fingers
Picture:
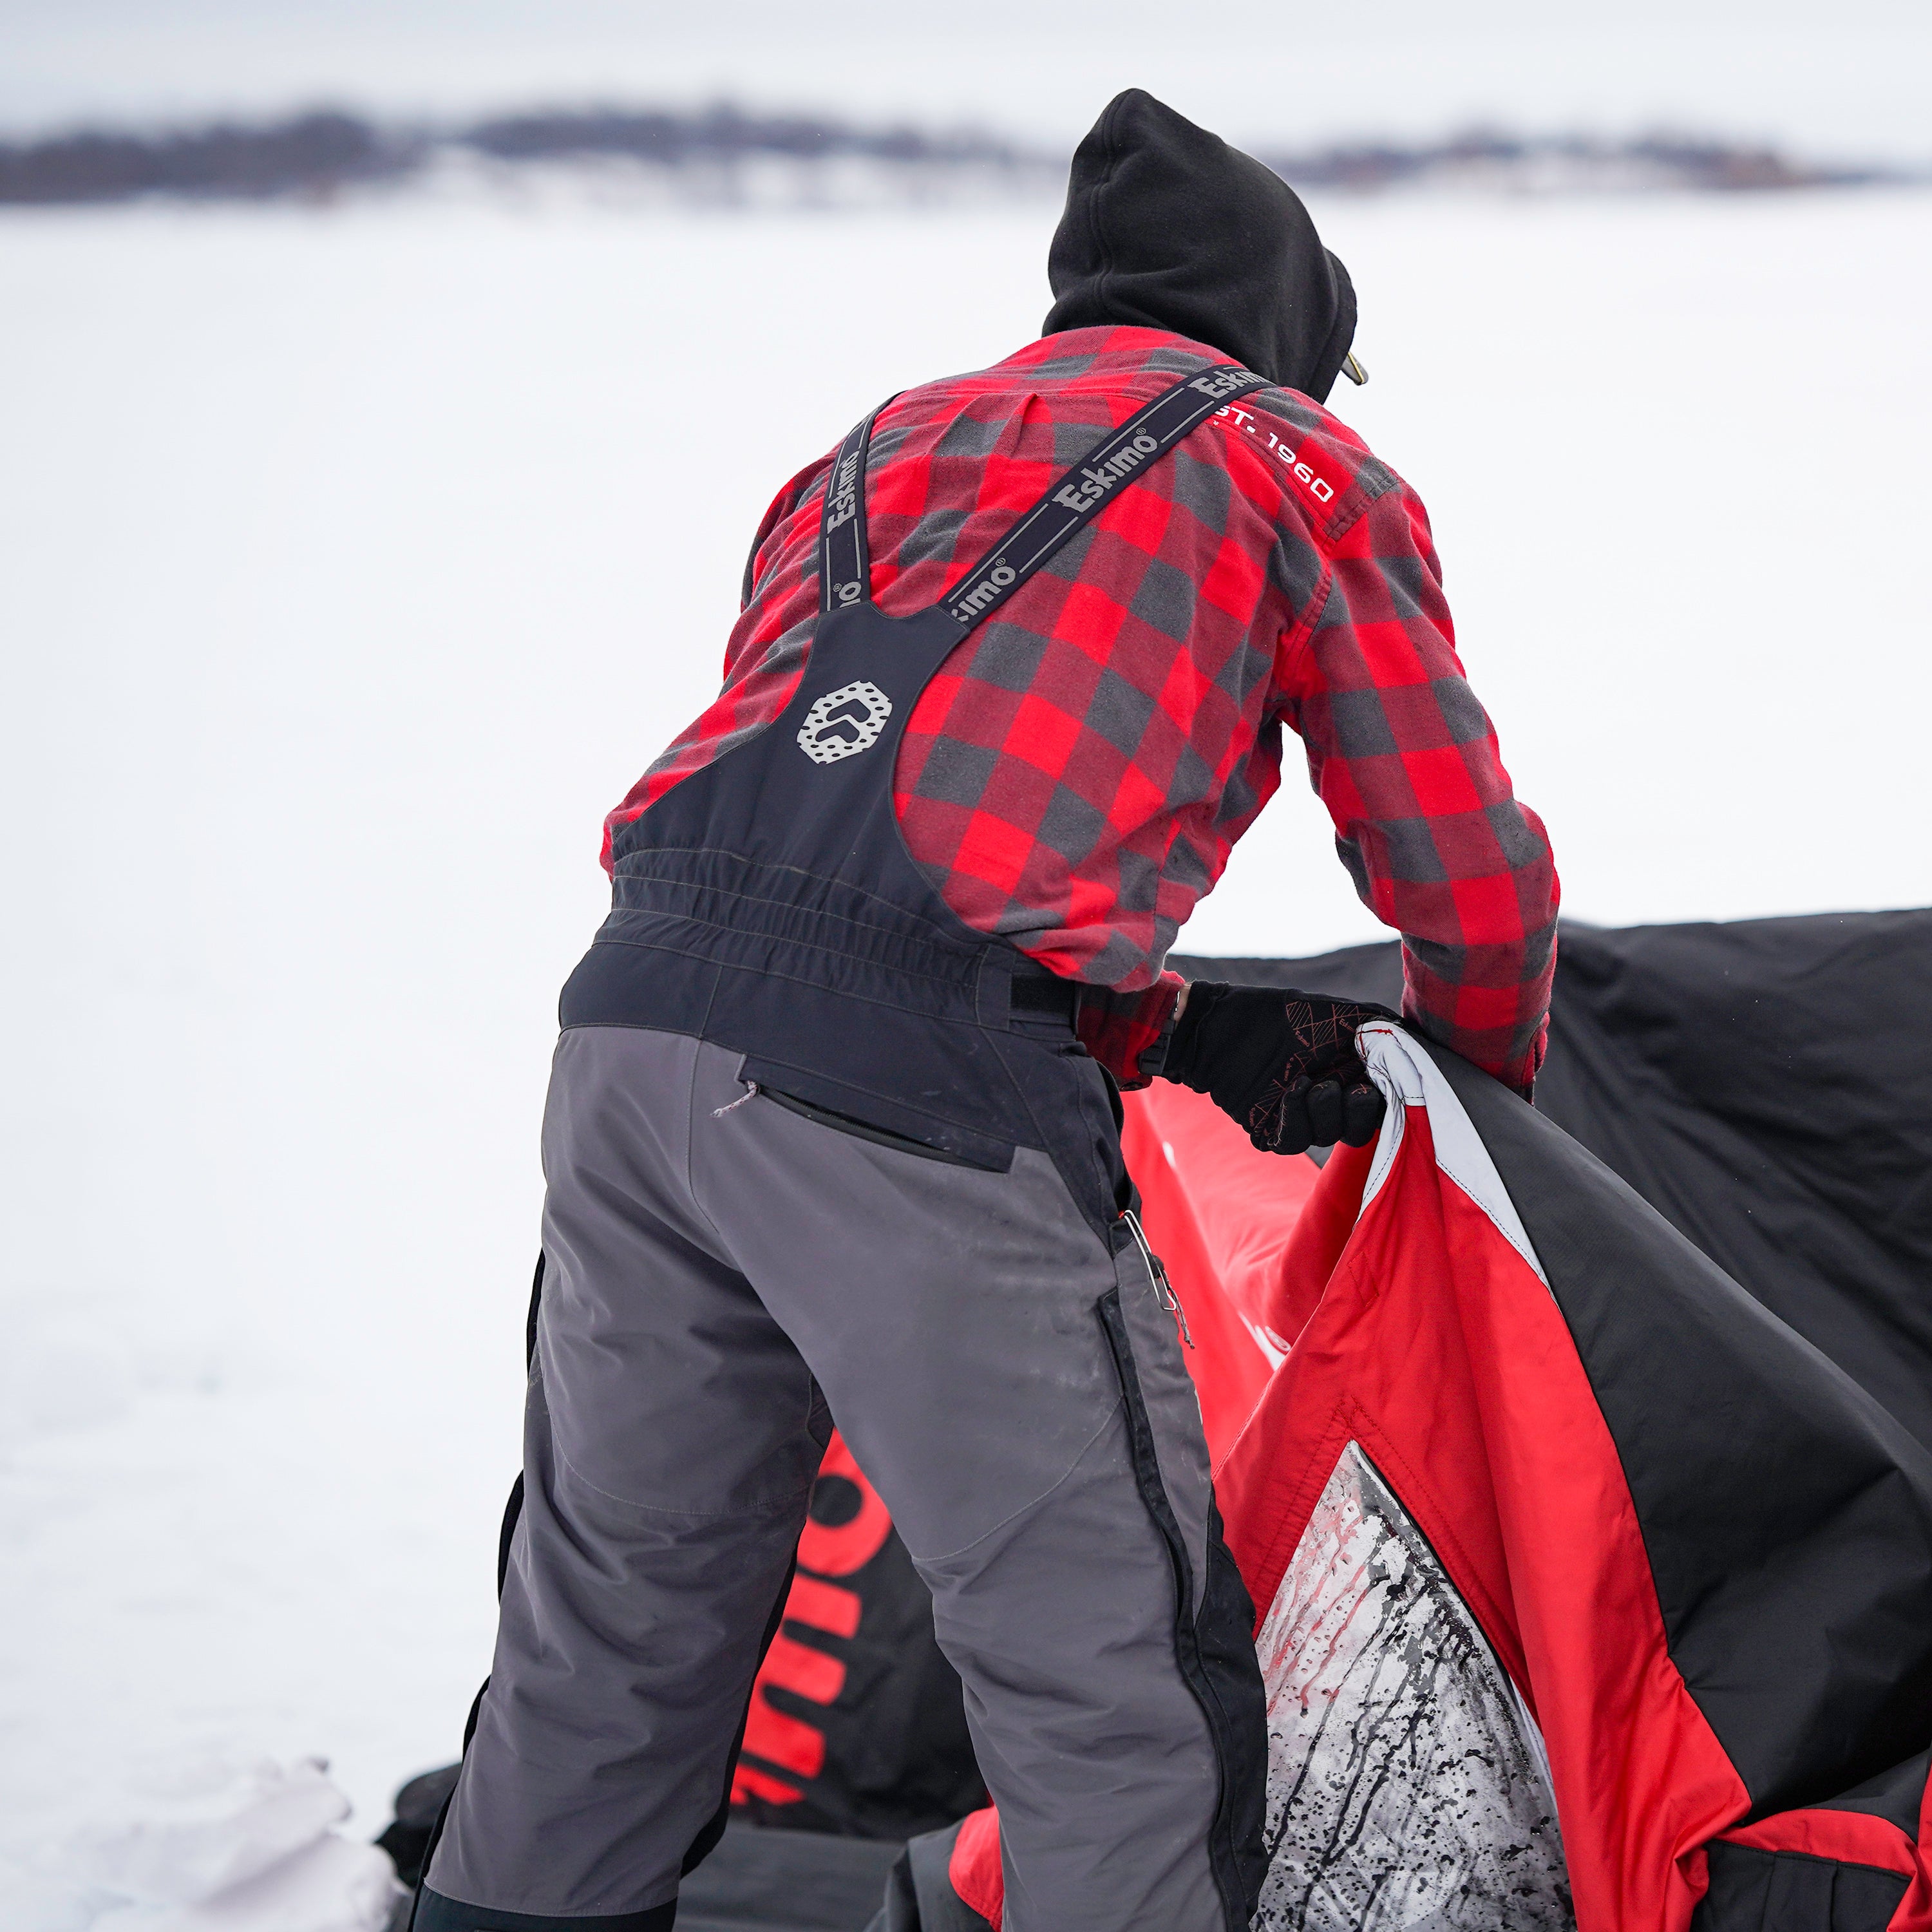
1324	1113
1285	1129
1362	1110
1282	1062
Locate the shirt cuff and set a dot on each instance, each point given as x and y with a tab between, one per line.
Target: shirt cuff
1128	1033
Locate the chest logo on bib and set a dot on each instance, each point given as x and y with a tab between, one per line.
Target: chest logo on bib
844	722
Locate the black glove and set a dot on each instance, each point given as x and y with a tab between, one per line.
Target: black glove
1282	1062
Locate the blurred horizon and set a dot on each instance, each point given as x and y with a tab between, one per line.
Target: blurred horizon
723	157
1836	86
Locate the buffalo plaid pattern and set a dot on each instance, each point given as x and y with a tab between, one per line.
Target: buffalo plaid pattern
1076	774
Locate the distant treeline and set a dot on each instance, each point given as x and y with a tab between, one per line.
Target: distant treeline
1571	161
321	154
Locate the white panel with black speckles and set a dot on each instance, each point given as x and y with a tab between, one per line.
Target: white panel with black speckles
1408	1787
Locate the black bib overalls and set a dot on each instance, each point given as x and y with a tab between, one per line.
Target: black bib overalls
767	902
812	1141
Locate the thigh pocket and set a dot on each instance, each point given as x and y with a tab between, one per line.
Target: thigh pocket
988	1162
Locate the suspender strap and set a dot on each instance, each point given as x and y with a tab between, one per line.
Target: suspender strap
845	562
1069	505
1073	501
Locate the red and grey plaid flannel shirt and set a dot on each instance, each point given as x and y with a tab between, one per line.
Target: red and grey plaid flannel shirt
1076	775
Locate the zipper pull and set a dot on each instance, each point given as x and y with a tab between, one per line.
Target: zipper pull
751	1092
1163	1288
1171	1301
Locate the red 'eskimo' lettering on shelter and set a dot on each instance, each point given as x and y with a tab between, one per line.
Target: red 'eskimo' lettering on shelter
781	1740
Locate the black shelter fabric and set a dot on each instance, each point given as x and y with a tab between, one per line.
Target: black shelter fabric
920	1897
419	1804
781	1881
1895	1795
1766	1085
1785	1891
1167	226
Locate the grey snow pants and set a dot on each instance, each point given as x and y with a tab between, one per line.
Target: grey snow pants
717	1288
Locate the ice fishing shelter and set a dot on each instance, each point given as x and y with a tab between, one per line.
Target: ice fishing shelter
1578	1461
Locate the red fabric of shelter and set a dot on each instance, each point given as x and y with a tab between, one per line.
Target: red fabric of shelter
974	1868
1463	1386
1855	1837
1163	1131
1243	1205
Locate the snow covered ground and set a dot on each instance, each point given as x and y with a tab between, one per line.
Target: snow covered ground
353	561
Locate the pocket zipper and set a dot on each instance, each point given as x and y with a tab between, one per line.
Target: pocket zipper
1163	1288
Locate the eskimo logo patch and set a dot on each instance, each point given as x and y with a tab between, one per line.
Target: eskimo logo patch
844	505
968	603
1092	481
1225	382
844	723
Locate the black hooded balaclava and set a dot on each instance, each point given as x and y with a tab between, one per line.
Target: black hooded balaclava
1168	227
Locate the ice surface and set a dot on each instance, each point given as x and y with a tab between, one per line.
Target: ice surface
352	563
215	1848
330	1886
218	1838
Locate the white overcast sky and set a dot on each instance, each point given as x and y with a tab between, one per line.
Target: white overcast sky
1848	78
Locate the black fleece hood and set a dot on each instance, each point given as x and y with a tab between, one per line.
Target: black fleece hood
1168	227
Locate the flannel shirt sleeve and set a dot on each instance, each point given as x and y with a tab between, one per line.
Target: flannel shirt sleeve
1406	761
1127	1032
781	507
